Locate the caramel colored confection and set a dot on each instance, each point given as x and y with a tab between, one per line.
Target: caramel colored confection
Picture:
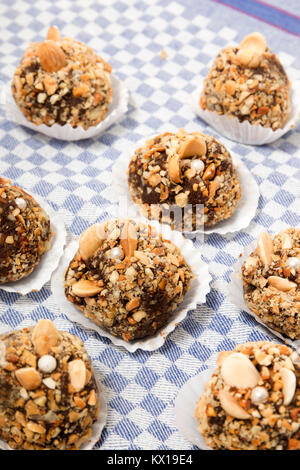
126	278
48	394
24	232
248	82
62	81
271	281
252	400
184	170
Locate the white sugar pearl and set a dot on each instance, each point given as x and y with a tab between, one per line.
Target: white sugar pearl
47	363
293	263
21	203
116	253
198	165
259	395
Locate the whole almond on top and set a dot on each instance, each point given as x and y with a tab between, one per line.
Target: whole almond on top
265	248
251	50
191	146
91	239
129	239
51	55
231	406
53	33
254	41
77	374
249	58
289	385
281	283
29	378
174	169
85	288
44	336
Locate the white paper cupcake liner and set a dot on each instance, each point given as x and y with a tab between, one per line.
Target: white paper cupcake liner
49	260
240	219
117	108
244	132
98	425
100	422
236	295
196	295
184	409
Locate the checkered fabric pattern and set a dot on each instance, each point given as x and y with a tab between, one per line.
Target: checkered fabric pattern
75	179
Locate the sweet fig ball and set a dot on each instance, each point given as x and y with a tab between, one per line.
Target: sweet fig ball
126	278
252	400
249	83
48	392
184	179
25	232
62	81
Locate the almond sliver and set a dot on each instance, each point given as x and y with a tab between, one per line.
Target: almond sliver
77	374
44	336
281	283
51	55
129	239
85	288
238	371
90	240
230	405
289	385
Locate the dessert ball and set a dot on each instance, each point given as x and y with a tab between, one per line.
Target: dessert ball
25	232
126	278
184	179
48	393
62	81
248	82
252	400
271	281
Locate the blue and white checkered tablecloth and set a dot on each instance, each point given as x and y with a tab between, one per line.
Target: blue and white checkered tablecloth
75	179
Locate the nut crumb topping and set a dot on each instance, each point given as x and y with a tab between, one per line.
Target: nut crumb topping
190	170
25	232
131	283
46	401
248	82
62	81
